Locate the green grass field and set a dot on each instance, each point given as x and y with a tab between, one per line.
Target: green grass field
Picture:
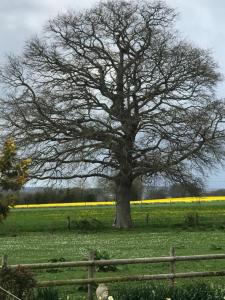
39	235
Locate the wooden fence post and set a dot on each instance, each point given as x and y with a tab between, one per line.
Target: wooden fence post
91	270
68	222
4	261
173	265
147	218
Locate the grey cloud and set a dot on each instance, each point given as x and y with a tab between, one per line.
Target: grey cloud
20	19
202	22
16	6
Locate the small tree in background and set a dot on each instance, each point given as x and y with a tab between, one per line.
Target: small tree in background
186	189
109	189
13	175
156	192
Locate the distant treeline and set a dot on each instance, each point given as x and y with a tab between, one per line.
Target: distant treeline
50	195
179	190
67	195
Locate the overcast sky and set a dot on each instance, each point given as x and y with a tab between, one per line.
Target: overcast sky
201	21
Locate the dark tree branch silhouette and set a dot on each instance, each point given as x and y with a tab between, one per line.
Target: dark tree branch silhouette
114	92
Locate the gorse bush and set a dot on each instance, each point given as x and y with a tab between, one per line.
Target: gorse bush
13	175
19	281
199	291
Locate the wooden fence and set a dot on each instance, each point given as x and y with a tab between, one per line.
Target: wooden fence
92	263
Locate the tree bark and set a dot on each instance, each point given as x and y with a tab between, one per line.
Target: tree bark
123	210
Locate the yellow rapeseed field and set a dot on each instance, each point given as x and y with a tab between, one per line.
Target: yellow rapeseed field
167	200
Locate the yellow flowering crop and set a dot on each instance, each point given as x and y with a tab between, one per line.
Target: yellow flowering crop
102	203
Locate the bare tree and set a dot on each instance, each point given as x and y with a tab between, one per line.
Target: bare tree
114	92
189	189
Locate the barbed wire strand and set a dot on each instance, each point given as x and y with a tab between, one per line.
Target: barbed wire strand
7	292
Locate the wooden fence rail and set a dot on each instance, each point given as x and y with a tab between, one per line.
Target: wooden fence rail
92	263
103	262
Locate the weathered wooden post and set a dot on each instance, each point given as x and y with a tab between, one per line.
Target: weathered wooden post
4	261
68	222
147	218
173	265
91	271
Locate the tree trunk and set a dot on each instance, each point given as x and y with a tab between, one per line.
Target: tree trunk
123	211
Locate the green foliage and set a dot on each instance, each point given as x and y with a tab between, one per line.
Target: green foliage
191	219
19	281
6	199
13	175
87	225
105	256
215	247
47	294
13	172
4	210
55	260
50	195
200	291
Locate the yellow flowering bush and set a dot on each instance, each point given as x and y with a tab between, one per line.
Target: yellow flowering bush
13	172
13	175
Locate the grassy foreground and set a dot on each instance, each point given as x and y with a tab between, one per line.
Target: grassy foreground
40	235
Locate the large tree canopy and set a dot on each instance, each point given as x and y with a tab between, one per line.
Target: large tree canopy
114	92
